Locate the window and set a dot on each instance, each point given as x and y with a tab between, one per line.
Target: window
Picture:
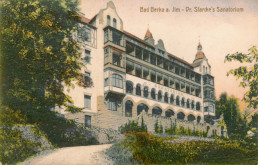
172	99
112	104
138	70
153	76
198	106
177	100
177	85
117	37
108	20
183	102
138	90
166	97
153	59
84	34
116	60
188	103
87	56
114	22
153	94
106	83
117	81
192	105
87	34
87	121
129	67
129	87
159	95
128	108
146	91
87	101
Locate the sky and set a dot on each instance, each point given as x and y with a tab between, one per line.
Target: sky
220	33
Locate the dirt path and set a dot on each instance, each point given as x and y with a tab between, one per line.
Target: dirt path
81	155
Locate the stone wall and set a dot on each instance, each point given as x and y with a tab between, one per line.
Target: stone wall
33	134
114	119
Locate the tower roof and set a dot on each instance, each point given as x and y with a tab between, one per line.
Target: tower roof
199	54
148	34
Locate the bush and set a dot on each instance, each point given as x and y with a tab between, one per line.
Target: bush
151	149
14	148
174	130
133	126
158	128
121	154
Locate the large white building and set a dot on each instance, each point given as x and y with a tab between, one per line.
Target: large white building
131	75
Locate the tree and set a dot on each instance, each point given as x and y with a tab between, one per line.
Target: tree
248	75
254	122
38	53
229	108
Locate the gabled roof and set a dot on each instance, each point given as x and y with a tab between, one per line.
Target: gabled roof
137	38
148	34
85	20
197	64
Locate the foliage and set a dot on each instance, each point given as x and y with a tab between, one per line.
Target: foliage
38	53
73	109
133	126
247	74
158	128
236	124
151	149
60	131
9	117
174	130
14	148
120	154
254	122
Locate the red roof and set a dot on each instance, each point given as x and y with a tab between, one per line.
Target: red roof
148	34
199	55
135	37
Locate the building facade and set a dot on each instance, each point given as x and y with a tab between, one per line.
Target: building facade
137	78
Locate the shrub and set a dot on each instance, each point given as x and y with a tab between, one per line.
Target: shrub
158	128
133	126
174	130
151	149
14	148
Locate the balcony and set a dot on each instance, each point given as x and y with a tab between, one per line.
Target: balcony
114	85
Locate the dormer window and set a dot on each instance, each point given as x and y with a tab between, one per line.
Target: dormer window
108	20
114	23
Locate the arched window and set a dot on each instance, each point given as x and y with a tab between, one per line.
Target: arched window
138	90
198	106
192	105
190	117
198	119
108	20
169	113
142	107
117	81
112	104
153	93
128	108
114	22
166	97
178	100
183	102
146	91
172	99
181	115
160	95
188	103
129	87
156	111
